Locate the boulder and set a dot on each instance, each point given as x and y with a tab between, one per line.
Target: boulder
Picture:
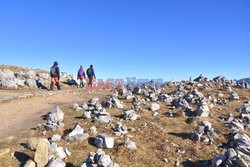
30	82
55	138
77	134
76	107
137	90
180	103
130	115
93	101
42	154
34	141
202	110
86	115
99	159
120	129
129	144
154	107
56	115
30	163
104	118
56	162
104	141
234	96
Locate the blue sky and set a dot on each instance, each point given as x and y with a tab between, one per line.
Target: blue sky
169	39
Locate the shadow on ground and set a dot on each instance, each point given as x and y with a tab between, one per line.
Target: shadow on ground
181	135
21	157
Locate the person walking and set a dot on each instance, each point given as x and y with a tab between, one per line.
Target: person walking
91	75
81	76
55	76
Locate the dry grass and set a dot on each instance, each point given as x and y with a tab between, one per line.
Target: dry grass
156	137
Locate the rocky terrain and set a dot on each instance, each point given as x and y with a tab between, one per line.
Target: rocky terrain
14	77
190	123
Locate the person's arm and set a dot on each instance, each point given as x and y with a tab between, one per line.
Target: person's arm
93	71
83	73
58	72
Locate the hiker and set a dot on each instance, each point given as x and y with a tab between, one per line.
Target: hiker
91	75
55	76
81	75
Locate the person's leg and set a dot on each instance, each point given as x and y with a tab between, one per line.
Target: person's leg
91	81
58	86
52	84
81	83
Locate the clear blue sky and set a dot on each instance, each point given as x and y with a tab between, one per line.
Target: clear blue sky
170	39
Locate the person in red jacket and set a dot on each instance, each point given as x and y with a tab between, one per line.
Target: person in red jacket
81	76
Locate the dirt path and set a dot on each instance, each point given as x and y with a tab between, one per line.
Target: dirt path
20	115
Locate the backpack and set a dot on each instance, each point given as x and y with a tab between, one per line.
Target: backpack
80	73
53	71
89	73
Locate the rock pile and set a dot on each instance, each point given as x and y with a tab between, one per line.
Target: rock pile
53	120
95	110
77	134
99	159
104	141
120	129
46	153
131	115
204	132
238	153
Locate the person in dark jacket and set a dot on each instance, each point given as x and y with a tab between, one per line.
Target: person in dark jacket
81	75
55	76
91	75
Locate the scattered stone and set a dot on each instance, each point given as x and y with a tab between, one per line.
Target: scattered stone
154	107
165	98
84	106
76	107
180	103
234	96
60	152
104	141
33	143
30	163
222	102
55	138
245	108
93	101
130	115
53	120
137	90
56	162
93	130
86	115
129	144
99	159
204	132
155	114
104	118
77	134
202	110
120	129
41	155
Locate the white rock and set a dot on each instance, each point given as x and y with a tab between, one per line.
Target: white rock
104	141
56	162
129	144
77	130
55	138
